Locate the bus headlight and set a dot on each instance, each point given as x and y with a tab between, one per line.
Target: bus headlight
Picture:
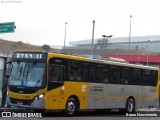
39	97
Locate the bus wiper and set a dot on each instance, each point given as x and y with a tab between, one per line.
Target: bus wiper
19	69
19	65
27	72
35	62
38	81
30	69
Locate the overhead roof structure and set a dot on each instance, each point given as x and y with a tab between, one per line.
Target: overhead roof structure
137	58
119	39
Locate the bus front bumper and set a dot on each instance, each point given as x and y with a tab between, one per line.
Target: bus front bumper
35	104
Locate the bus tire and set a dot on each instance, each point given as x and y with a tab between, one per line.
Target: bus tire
130	105
8	106
71	108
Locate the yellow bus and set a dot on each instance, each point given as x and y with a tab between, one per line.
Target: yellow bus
71	83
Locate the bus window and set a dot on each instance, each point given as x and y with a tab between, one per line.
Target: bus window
92	73
126	74
154	78
114	75
99	74
105	74
136	77
56	73
146	77
74	71
85	72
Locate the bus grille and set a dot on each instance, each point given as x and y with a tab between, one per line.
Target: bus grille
20	102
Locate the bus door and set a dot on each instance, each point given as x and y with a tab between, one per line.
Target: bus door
56	81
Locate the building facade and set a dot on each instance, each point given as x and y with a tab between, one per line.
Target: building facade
150	43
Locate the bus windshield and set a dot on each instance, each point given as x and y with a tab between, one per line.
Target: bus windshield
27	74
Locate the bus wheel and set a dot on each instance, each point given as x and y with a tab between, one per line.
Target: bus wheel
71	107
130	106
8	106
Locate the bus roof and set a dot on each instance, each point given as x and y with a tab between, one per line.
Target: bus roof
125	64
110	61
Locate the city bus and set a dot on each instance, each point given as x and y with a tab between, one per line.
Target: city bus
72	83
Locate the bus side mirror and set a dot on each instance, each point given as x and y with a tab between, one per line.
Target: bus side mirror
7	76
7	69
5	82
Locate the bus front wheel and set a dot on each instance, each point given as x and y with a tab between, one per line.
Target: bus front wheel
130	105
71	107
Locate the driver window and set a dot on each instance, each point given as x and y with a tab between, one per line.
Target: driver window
56	73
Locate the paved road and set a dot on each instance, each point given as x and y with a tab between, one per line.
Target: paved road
85	118
0	95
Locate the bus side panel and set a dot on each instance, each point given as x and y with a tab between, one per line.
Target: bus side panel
96	95
134	91
113	96
103	96
58	97
149	93
52	99
116	97
78	89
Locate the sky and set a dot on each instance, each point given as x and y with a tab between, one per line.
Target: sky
42	22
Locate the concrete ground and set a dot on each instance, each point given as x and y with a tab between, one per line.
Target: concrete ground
148	109
0	98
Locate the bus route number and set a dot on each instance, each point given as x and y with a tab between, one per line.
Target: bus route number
29	55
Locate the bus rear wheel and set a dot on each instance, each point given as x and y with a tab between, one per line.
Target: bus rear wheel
71	107
130	105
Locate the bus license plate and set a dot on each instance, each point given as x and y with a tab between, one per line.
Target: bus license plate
20	103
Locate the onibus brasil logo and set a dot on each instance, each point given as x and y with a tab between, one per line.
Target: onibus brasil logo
21	115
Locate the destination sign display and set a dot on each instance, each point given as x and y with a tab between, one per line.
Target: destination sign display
29	55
